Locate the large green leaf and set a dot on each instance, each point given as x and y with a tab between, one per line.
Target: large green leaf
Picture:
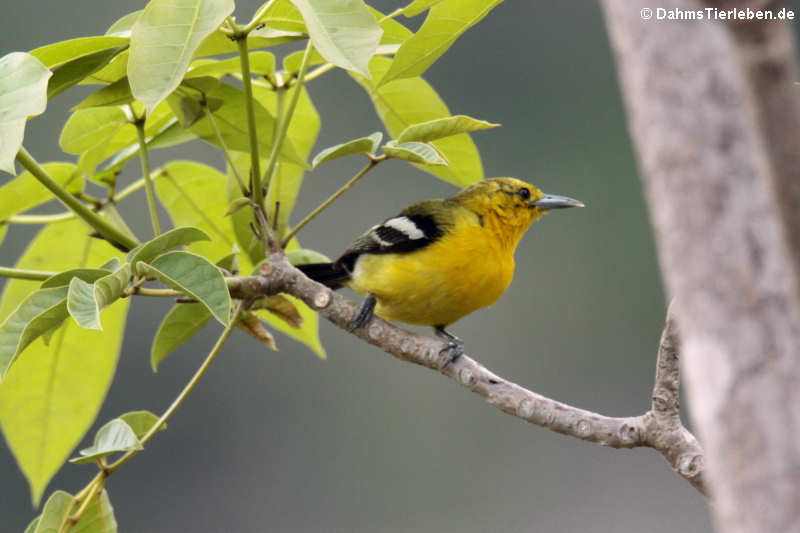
40	312
445	22
232	123
53	55
115	436
52	393
23	93
163	40
261	63
26	192
90	128
63	279
118	93
363	145
178	326
97	518
69	74
195	276
166	241
194	195
418	6
442	127
393	31
344	32
404	102
122	26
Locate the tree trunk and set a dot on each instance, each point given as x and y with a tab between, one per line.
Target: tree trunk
715	121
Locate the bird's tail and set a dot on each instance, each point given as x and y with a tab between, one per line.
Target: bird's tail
329	274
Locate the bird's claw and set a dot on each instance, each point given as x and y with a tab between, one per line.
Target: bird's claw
364	313
453	349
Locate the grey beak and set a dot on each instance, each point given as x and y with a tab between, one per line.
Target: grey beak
552	201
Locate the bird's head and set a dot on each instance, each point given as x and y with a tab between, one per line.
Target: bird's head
511	204
512	200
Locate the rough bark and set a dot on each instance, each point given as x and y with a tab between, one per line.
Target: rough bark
714	126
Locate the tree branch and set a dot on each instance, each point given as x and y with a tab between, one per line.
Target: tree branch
659	428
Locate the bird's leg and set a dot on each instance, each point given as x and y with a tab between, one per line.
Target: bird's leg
364	312
454	346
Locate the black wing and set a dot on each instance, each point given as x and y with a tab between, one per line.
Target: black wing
404	233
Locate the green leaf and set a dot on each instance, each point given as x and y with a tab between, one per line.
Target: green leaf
32	526
115	436
63	279
53	55
52	393
141	422
54	512
178	326
118	93
364	145
446	21
89	128
414	152
393	31
163	40
230	119
166	241
261	63
122	27
418	6
81	304
40	312
307	333
410	101
344	32
282	15
304	256
442	127
116	69
293	61
85	300
98	517
194	195
195	276
23	93
26	192
218	43
230	262
69	74
109	288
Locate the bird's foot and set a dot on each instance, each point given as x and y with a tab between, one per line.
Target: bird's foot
364	313
453	348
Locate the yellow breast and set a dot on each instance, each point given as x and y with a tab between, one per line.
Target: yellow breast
464	270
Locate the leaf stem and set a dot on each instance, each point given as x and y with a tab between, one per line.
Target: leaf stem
255	162
284	124
138	122
101	225
19	273
372	162
256	20
184	393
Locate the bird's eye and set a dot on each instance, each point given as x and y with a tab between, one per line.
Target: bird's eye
525	194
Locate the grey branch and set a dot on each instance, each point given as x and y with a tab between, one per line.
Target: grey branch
659	428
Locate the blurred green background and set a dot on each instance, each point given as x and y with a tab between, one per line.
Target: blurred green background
362	442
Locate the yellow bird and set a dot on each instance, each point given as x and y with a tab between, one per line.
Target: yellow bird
441	259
